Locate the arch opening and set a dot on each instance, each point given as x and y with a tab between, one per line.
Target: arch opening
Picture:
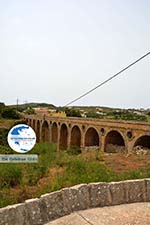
114	142
38	132
75	137
54	132
91	138
45	132
63	137
142	143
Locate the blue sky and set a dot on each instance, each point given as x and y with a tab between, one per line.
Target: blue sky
53	51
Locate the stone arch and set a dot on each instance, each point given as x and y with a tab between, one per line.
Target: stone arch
75	137
38	131
142	142
91	137
45	132
63	143
54	132
114	142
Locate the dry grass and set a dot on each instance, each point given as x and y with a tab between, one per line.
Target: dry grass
7	123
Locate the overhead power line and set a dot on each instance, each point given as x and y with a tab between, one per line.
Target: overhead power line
110	78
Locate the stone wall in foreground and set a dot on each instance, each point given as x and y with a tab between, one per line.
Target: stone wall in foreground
56	204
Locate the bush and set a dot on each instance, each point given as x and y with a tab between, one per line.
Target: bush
46	155
62	159
4	149
30	111
3	136
74	151
80	171
2	106
33	173
135	174
10	175
72	112
92	115
10	113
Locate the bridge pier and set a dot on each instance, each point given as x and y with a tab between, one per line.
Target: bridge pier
69	138
50	133
102	144
58	138
82	146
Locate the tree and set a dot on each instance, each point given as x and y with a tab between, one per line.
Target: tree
92	115
2	106
72	112
30	111
10	113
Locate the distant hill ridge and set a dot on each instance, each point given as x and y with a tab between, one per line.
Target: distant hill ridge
35	104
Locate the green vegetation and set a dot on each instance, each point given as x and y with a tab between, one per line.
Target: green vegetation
26	106
126	115
56	170
30	111
93	115
99	112
8	112
74	151
71	112
3	136
2	106
10	175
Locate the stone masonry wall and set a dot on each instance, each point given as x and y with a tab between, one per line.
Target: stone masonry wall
56	204
128	131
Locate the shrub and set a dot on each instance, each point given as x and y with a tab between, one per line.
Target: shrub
10	113
2	106
46	155
33	173
4	149
74	151
11	175
79	171
72	112
3	136
30	111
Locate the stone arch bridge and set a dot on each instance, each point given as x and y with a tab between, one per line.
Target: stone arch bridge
69	132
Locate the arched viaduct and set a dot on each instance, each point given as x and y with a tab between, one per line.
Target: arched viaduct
85	132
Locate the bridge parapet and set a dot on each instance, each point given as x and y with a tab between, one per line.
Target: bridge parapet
103	122
60	203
